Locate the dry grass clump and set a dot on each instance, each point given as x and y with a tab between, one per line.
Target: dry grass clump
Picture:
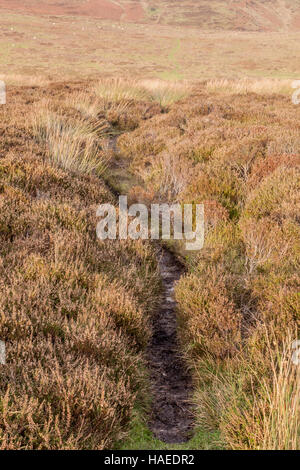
71	144
166	93
253	398
168	177
74	335
118	114
263	86
269	417
238	153
118	90
95	108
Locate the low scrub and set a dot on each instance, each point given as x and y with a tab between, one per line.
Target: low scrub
118	90
235	148
74	311
75	336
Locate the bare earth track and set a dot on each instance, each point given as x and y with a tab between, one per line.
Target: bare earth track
171	419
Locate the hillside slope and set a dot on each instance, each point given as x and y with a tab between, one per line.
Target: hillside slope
240	15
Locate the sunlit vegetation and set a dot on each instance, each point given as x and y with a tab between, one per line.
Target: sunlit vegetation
239	154
77	333
74	311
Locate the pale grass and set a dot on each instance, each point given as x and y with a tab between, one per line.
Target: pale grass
261	248
248	85
93	107
166	93
25	80
271	416
72	145
120	90
163	92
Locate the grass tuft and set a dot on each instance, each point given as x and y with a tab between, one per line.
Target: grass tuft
166	93
71	144
263	86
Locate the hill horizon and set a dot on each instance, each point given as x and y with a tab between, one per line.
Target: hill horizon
236	15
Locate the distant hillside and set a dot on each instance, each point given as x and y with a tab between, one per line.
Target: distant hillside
239	15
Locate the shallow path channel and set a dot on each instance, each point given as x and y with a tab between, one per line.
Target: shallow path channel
171	418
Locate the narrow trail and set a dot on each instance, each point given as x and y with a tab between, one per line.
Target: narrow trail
171	418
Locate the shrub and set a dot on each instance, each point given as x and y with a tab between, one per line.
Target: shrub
210	322
277	195
74	336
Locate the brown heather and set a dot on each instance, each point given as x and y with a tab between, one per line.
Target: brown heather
74	311
237	150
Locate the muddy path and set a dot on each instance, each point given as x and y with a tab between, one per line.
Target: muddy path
171	417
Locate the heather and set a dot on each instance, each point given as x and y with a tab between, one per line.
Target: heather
238	305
